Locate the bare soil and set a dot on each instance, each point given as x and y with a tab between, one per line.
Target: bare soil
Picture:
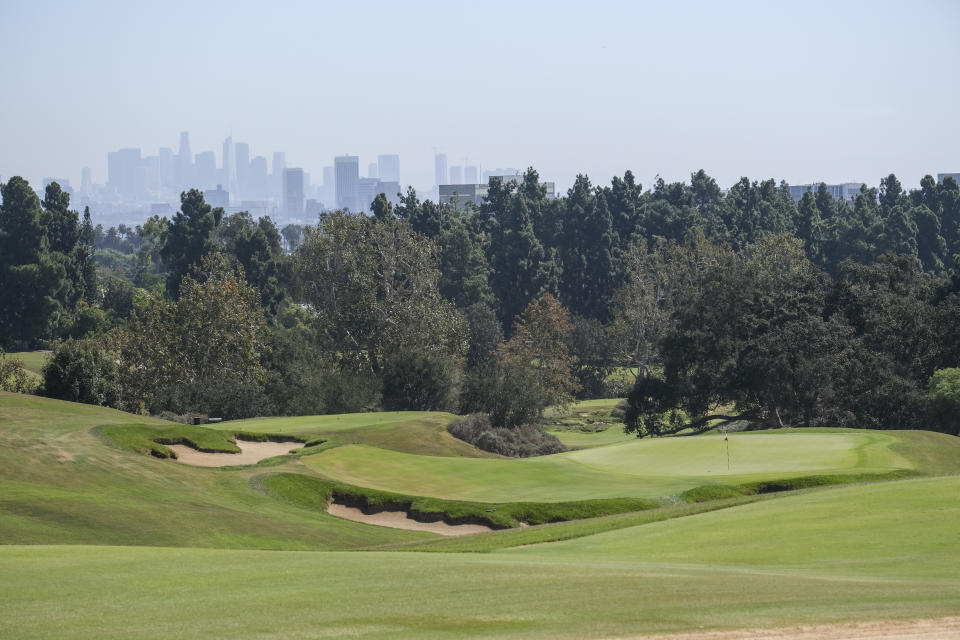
930	629
250	453
402	520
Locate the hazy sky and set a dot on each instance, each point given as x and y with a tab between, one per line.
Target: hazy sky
804	91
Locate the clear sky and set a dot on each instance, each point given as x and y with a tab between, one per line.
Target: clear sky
803	91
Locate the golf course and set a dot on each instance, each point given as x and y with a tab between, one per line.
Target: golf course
108	533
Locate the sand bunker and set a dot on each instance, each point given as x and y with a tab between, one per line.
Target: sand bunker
250	453
932	629
400	520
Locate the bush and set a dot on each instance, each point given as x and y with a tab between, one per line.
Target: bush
519	442
420	382
13	377
82	371
943	401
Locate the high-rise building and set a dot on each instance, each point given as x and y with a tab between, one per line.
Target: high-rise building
206	170
389	166
183	170
217	197
440	168
167	170
241	155
257	178
123	172
470	175
367	190
456	174
373	171
293	193
276	175
86	181
229	164
347	176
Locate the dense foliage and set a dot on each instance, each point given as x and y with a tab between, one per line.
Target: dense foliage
721	303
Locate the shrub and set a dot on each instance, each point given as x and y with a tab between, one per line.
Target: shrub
943	404
82	371
519	442
13	377
419	382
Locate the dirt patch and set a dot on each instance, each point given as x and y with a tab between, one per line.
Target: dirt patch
402	520
932	629
250	453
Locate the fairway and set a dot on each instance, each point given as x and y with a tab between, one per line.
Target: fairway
638	468
877	552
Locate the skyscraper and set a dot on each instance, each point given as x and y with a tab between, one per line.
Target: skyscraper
389	166
373	170
241	155
279	164
183	169
456	174
470	175
347	172
293	193
229	164
440	168
123	172
86	182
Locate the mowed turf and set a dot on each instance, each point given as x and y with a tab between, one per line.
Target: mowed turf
647	468
33	361
61	483
869	552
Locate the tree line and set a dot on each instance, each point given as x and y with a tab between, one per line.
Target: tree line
737	302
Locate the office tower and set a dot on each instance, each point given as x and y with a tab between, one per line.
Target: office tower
229	164
470	175
373	170
293	193
279	164
389	166
347	172
167	171
123	172
86	182
257	178
150	168
206	170
217	197
367	190
241	155
847	191
440	168
184	164
456	175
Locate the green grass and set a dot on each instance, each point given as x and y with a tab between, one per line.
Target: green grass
643	468
33	361
873	552
61	483
150	440
418	432
316	493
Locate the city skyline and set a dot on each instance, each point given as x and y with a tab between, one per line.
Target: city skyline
802	92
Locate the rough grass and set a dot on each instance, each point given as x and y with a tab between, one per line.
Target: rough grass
33	361
317	493
149	440
869	552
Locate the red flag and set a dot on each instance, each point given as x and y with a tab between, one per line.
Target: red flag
725	439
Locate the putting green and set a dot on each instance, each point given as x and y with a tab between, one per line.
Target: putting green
638	468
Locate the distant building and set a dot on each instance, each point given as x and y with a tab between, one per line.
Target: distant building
276	176
123	172
86	180
456	175
293	193
205	170
313	208
955	176
63	182
257	180
389	166
161	209
229	163
217	197
847	191
474	193
373	170
241	155
470	174
347	176
391	189
440	168
550	188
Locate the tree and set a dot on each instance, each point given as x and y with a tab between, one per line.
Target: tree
944	400
83	371
189	237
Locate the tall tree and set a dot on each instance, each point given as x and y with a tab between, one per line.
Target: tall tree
189	237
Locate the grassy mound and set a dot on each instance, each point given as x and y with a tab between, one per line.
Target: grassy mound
150	440
646	468
316	493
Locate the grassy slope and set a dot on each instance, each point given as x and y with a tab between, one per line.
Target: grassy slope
33	361
880	551
419	432
61	483
642	468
